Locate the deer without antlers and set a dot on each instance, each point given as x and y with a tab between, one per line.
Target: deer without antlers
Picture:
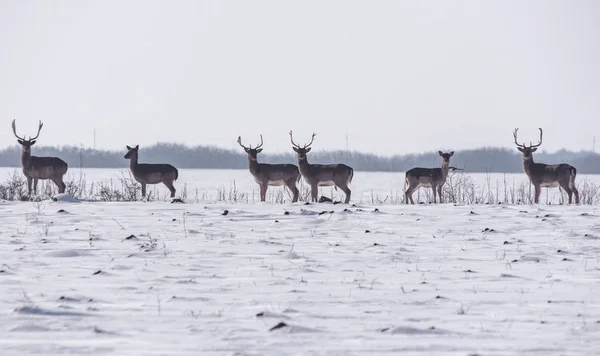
317	175
434	178
35	168
545	175
151	173
271	174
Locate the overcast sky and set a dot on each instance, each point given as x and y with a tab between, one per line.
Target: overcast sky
392	76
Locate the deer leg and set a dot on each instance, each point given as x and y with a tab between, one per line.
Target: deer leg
35	182
576	192
62	187
347	191
263	191
143	189
314	192
29	181
60	184
408	194
439	189
169	185
434	193
569	193
291	184
538	191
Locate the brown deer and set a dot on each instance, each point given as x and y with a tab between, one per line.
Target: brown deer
318	175
271	174
433	178
546	175
151	173
35	168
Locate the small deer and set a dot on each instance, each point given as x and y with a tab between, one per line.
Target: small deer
271	174
35	168
545	175
433	178
151	173
318	175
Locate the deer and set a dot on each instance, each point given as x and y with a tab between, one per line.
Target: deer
266	175
433	178
151	173
320	175
547	175
35	168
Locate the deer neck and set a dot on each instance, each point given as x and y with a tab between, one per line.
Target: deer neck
445	168
133	162
303	163
26	158
253	165
528	163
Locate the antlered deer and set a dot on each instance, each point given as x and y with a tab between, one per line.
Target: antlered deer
151	173
317	175
271	174
546	175
433	178
35	168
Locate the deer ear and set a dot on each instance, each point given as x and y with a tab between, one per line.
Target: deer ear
451	153
440	153
259	150
128	148
137	147
520	149
32	143
295	149
308	149
534	149
20	142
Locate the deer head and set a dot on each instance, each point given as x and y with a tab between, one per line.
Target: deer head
252	152
527	150
131	151
26	143
446	156
302	151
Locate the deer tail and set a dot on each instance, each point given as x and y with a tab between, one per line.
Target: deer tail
351	175
176	174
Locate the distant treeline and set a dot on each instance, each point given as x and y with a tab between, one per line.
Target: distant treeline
495	160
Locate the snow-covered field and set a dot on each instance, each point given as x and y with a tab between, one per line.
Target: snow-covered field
155	278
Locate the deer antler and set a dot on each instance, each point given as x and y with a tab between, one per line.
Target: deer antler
515	136
261	143
292	139
311	141
539	143
239	140
531	145
305	146
38	133
14	128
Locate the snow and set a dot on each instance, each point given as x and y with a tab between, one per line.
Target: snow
154	278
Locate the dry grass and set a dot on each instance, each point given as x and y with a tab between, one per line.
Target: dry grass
460	188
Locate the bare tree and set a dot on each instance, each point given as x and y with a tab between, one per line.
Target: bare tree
317	175
35	168
151	173
546	175
433	178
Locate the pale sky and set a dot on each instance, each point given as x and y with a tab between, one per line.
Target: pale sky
395	76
